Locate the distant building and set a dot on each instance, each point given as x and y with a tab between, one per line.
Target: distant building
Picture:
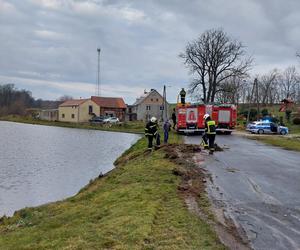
78	110
82	110
148	105
111	106
48	114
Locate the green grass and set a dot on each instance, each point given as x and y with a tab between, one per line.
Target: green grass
289	143
136	206
128	127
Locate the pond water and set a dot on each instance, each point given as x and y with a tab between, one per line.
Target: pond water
40	164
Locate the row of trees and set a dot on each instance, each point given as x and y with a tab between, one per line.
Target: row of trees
15	101
271	88
220	69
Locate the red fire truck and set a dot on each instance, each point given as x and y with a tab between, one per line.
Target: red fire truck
190	117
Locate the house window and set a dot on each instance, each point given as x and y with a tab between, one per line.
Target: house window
151	100
62	115
90	109
73	116
148	107
157	99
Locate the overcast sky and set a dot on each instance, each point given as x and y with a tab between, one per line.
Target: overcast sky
50	46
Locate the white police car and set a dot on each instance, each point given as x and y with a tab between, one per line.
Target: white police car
266	127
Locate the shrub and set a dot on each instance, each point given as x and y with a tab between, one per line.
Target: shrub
288	115
281	121
264	112
296	120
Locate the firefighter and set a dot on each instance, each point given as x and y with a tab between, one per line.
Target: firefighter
182	95
210	134
151	132
174	118
167	129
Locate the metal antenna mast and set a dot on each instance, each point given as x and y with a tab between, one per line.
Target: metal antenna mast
98	76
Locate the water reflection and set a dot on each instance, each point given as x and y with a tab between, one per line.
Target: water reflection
39	164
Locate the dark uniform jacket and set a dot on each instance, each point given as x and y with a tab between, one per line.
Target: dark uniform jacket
151	129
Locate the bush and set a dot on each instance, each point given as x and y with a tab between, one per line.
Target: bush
252	115
264	112
296	120
288	115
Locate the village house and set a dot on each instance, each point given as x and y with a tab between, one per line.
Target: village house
77	110
148	105
82	110
110	106
48	114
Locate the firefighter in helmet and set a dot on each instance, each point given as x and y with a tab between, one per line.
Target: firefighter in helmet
151	132
210	133
182	95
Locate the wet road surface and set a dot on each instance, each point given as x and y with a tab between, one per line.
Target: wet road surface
258	186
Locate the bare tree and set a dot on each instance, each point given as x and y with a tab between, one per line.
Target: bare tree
214	57
231	90
268	92
288	82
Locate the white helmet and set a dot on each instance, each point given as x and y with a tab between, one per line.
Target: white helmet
153	119
206	116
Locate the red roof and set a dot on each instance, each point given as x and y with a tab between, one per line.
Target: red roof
74	102
109	102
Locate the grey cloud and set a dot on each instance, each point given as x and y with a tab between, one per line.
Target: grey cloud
56	40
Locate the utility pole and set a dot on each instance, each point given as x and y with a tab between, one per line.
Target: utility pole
165	108
257	100
251	97
98	75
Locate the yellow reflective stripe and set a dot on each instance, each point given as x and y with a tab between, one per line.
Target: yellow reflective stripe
209	123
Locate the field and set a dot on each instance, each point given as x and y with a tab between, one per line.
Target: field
127	127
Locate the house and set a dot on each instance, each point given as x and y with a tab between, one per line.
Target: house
111	106
148	105
48	114
78	110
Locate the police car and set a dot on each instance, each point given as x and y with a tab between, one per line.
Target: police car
266	127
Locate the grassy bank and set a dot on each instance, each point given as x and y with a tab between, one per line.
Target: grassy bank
127	127
136	206
286	142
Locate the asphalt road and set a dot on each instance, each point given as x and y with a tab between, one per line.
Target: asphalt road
258	186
